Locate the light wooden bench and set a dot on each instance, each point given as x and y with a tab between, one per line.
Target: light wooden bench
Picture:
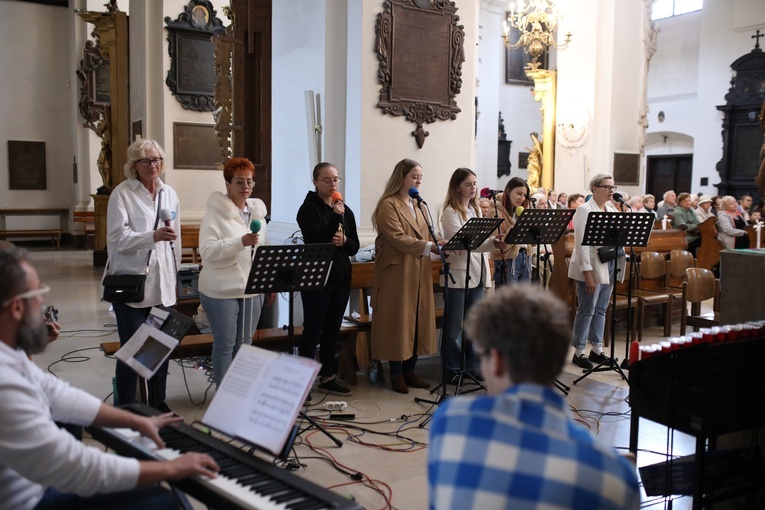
54	234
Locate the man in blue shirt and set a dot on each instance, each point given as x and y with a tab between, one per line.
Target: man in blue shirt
519	447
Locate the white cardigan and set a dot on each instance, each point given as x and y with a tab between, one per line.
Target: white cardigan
585	258
226	262
451	222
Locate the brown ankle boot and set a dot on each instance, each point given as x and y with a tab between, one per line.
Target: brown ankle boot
414	380
398	384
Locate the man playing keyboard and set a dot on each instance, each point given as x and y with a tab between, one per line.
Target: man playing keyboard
42	466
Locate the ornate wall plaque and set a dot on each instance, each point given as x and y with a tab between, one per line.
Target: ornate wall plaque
420	51
195	146
26	165
191	77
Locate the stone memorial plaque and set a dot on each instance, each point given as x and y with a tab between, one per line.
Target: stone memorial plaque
191	77
626	168
195	146
196	66
420	51
26	165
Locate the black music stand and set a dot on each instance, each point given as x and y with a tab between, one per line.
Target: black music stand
468	238
537	226
540	226
617	230
292	268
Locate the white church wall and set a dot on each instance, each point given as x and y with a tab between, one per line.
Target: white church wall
724	31
385	140
299	44
41	91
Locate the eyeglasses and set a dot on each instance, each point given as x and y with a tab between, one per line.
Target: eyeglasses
29	294
329	181
147	162
608	188
241	182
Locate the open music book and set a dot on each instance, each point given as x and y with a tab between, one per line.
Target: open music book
261	396
155	339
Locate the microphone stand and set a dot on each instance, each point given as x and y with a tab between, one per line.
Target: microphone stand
503	264
448	276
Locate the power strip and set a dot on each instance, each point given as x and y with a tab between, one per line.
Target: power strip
336	406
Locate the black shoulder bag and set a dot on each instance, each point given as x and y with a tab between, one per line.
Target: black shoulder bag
129	288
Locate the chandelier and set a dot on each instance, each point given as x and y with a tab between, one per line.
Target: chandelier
537	22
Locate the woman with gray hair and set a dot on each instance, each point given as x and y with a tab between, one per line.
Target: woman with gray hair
730	225
594	279
138	240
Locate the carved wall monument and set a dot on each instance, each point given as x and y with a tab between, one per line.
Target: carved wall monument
419	46
191	77
742	134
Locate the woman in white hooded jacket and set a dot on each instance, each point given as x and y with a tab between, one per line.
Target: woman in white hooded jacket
227	246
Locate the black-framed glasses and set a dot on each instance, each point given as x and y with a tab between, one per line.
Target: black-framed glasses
608	188
147	162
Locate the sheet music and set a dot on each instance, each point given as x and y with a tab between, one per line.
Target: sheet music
149	347
261	395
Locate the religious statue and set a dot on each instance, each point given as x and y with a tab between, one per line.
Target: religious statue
104	130
534	165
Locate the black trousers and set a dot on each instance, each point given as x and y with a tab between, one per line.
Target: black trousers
322	317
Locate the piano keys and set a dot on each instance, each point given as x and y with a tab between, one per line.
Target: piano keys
244	481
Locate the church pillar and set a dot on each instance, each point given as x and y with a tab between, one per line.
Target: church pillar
599	79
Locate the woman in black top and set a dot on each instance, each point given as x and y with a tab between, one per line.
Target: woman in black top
324	218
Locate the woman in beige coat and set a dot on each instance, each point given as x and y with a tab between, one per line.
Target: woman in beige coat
404	324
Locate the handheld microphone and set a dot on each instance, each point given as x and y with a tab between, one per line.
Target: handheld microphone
490	193
415	194
619	198
519	210
336	197
254	228
167	216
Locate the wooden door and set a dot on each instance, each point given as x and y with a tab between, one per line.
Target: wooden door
669	173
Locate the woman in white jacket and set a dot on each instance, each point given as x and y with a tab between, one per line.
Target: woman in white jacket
460	206
227	245
594	279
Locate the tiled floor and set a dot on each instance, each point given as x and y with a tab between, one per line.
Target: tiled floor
396	467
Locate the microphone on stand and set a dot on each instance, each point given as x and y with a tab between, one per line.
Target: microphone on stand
519	210
490	193
533	202
167	216
619	198
415	194
254	228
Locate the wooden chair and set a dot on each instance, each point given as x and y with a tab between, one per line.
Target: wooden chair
652	289
679	261
700	285
622	304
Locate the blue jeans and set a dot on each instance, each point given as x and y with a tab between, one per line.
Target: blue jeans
141	497
515	270
590	320
129	319
452	332
233	322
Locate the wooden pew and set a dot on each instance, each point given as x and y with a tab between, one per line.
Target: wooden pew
662	241
190	244
53	233
708	255
277	338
